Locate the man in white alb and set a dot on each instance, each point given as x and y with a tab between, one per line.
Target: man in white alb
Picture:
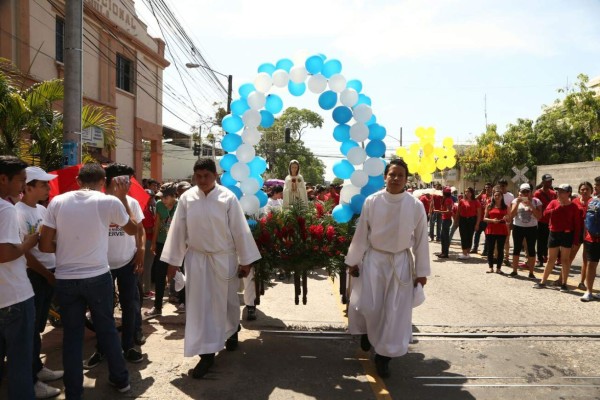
391	224
76	228
209	230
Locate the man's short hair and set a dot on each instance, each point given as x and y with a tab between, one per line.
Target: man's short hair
278	189
11	166
205	164
117	169
91	173
597	179
502	182
396	161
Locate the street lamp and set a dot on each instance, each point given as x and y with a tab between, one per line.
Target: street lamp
229	81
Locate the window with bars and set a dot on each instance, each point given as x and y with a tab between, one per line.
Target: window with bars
124	73
60	39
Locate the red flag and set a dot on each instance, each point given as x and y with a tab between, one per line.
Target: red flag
67	181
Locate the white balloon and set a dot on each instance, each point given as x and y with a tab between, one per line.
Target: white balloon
349	97
359	132
263	82
359	178
347	192
249	186
300	56
337	83
250	204
251	118
251	136
362	112
357	155
280	78
317	83
240	171
245	153
374	166
256	100
298	74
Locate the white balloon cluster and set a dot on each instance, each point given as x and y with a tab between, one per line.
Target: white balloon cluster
351	110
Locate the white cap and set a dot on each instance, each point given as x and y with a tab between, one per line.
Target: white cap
38	174
524	186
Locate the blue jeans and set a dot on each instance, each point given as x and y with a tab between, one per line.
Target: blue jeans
129	298
435	220
74	296
16	342
43	297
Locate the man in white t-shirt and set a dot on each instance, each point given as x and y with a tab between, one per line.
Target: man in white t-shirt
76	228
126	261
17	310
40	272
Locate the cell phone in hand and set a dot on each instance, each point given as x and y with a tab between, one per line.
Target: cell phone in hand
121	180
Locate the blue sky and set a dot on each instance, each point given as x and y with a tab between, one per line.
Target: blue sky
423	63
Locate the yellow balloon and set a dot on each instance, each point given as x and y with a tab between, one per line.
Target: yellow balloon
420	131
451	162
430	132
451	152
439	152
441	163
428	148
427	178
448	142
401	152
414	148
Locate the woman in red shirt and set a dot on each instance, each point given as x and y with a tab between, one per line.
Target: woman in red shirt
496	217
469	217
446	213
565	225
585	196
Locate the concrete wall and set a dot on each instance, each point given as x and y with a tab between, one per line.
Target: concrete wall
573	173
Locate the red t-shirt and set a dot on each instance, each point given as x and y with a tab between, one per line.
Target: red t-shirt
468	208
564	218
447	204
437	201
583	205
500	228
545	198
426	202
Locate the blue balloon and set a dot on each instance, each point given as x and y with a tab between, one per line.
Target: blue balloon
371	120
376	181
342	114
236	190
376	148
232	123
239	107
227	179
356	203
266	119
252	223
341	133
363	99
328	100
274	104
262	198
331	67
285	64
246	89
368	190
342	213
231	142
354	84
343	169
227	161
296	89
257	165
314	64
347	145
267	67
376	132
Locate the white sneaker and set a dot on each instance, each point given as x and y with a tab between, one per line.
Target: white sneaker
43	391
587	297
47	375
462	257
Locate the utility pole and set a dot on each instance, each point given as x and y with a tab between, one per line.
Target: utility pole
400	136
73	82
485	110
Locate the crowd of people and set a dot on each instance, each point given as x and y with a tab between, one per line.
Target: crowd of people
548	223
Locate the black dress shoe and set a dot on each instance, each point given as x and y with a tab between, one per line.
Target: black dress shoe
382	364
206	361
232	343
365	345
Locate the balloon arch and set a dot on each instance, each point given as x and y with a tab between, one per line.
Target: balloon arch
356	123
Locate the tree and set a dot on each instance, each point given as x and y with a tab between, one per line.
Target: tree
483	160
278	153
